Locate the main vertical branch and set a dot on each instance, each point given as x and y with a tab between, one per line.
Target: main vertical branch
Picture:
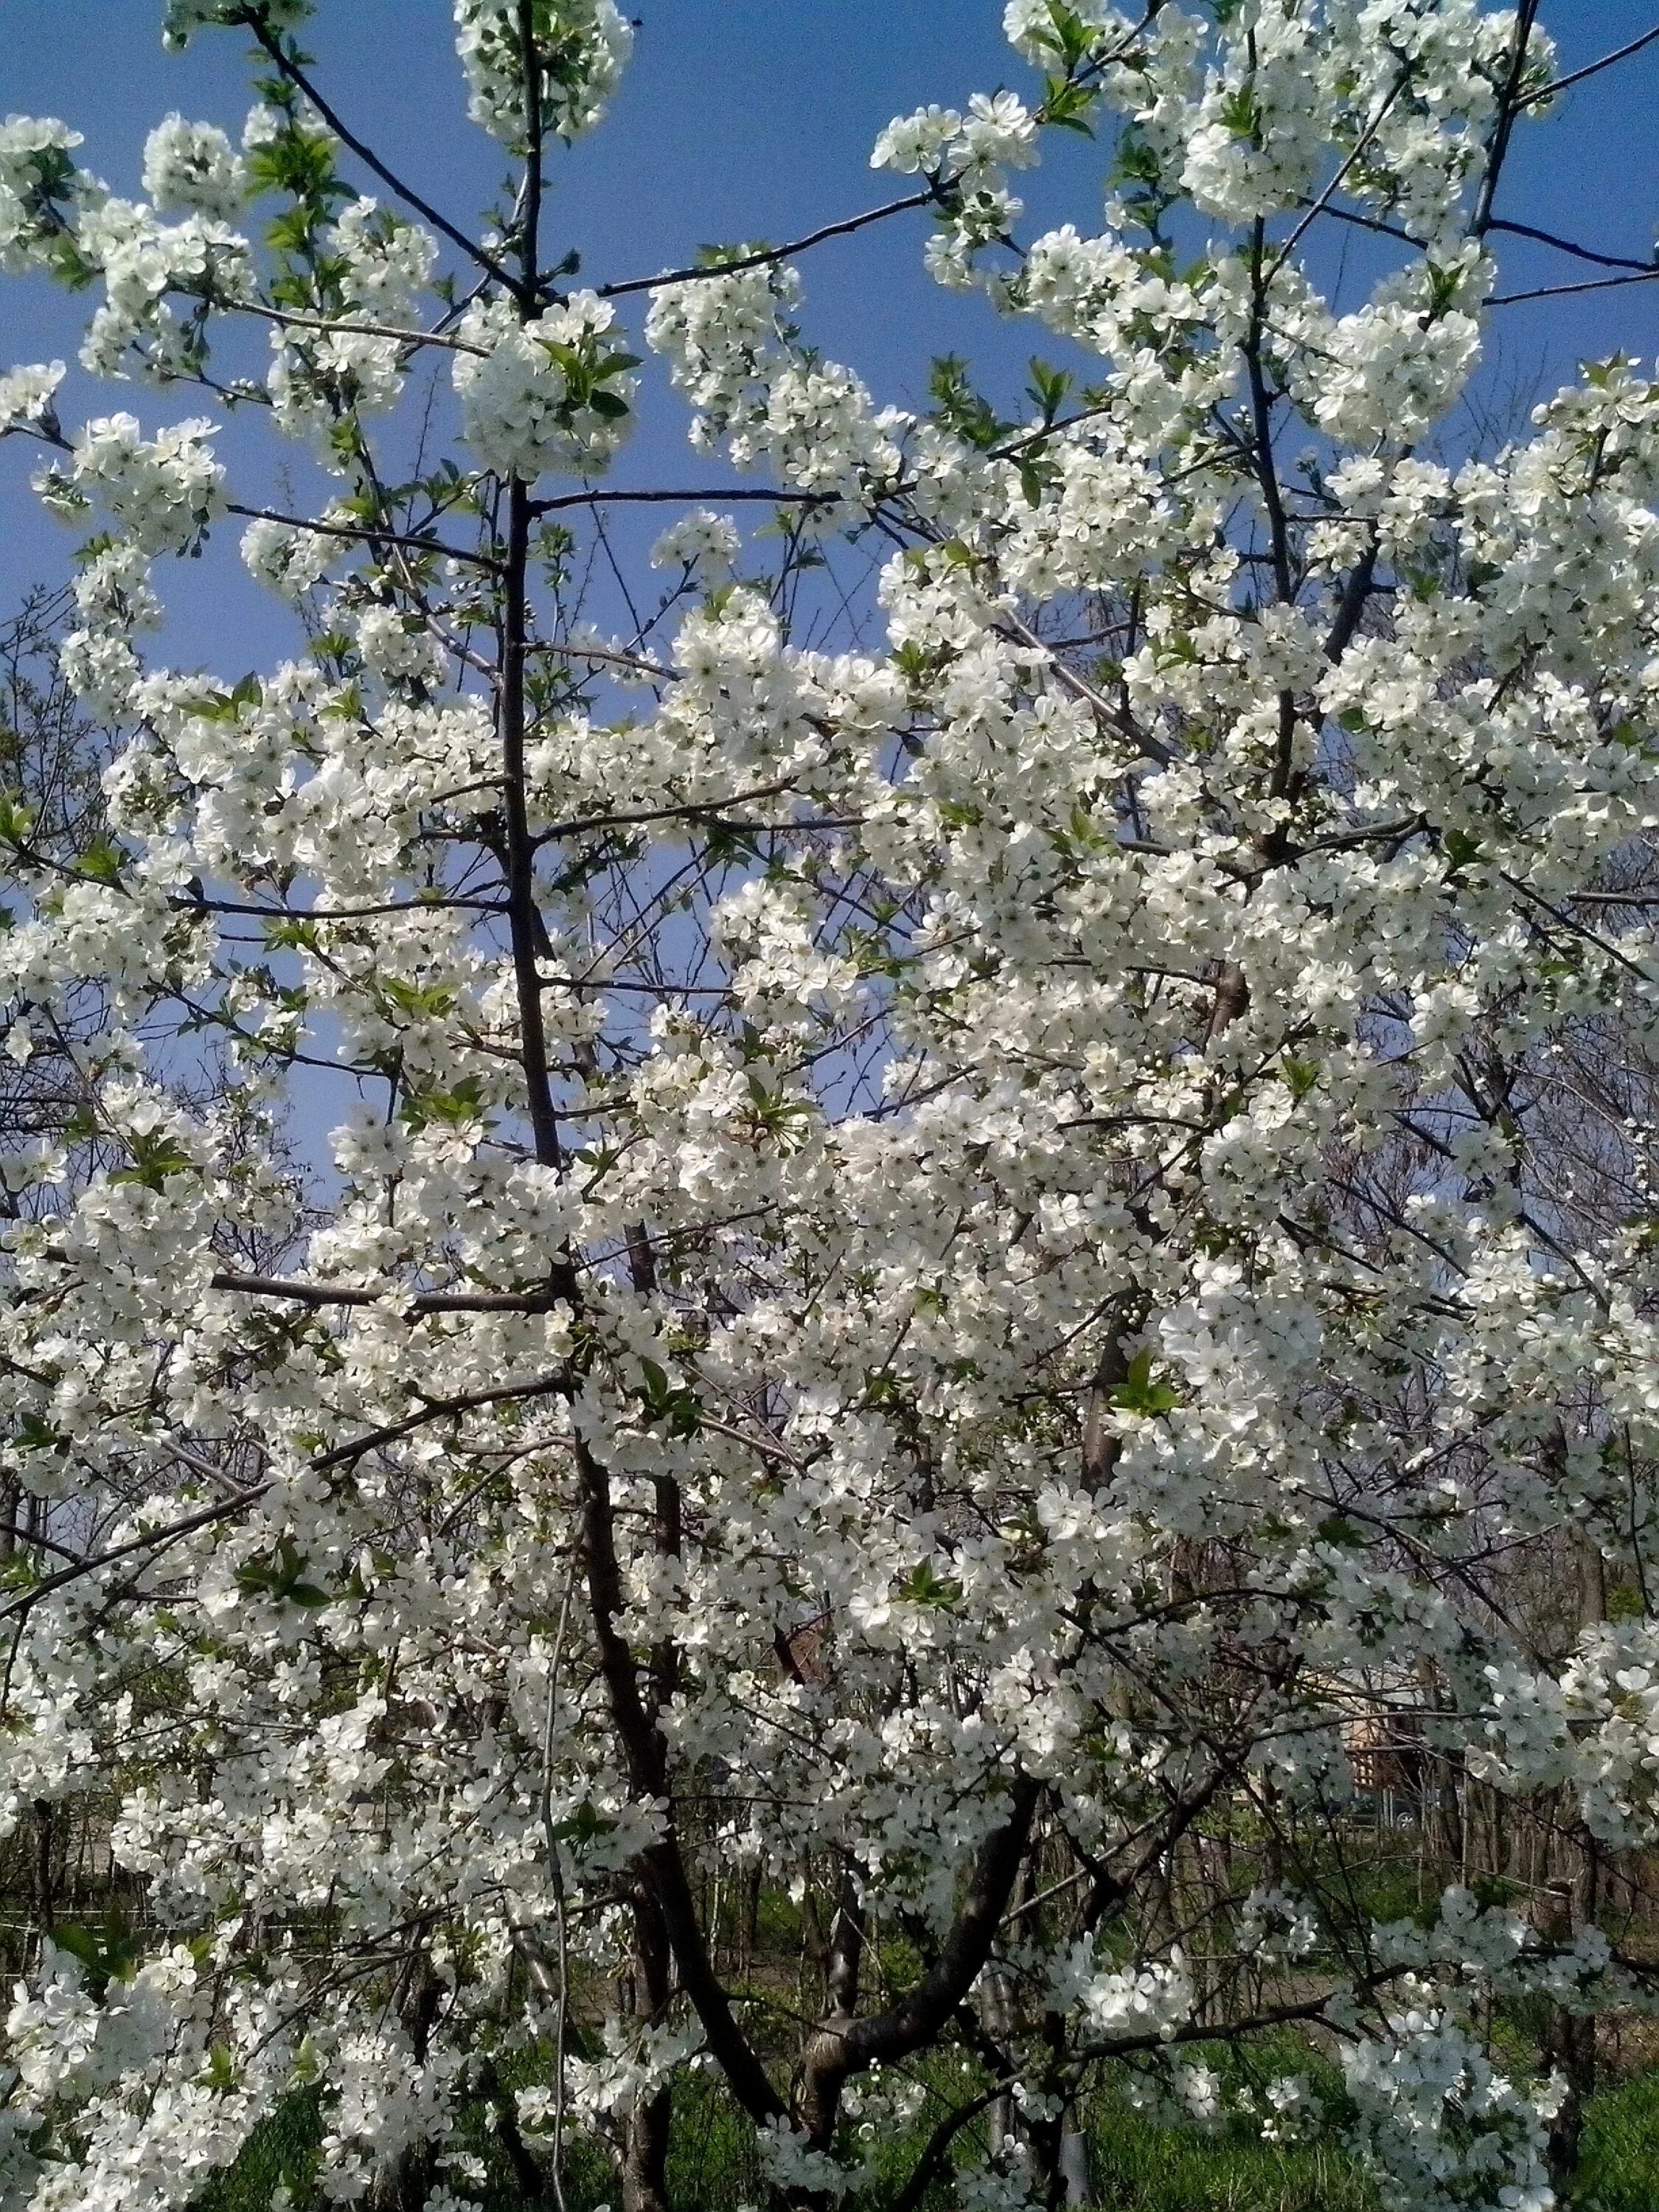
523	919
668	1911
522	916
1510	105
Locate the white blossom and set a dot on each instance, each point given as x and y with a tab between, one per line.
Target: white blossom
192	167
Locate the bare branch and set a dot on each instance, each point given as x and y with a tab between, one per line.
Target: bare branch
1566	245
1565	291
1593	69
766	255
363	533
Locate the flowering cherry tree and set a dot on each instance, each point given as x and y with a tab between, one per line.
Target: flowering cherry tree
953	1269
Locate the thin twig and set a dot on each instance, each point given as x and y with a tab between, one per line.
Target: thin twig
618	498
362	533
1565	291
418	1307
1593	69
760	259
133	1544
1329	192
1567	245
332	327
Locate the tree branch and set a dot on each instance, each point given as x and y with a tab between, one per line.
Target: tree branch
763	256
1593	69
423	1303
1566	245
613	498
1565	291
362	533
842	2048
296	76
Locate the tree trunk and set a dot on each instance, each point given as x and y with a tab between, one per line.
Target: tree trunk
1570	2041
645	2149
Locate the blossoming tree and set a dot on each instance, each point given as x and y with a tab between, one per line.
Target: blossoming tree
957	1267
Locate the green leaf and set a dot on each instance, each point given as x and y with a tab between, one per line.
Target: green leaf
1300	1075
425	1001
1070	37
281	1575
454	1108
1241	113
774	1111
584	1825
296	936
33	1434
1136	163
1049	387
154	1157
1139	1393
922	1586
958	407
1068	106
212	707
111	1956
102	861
675	1405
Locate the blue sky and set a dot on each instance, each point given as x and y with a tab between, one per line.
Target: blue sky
739	119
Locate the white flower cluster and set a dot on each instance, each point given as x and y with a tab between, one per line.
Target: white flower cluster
164	490
38	181
322	383
1028	27
703	544
1441	2128
1253	142
582	49
967	155
997	133
1128	2003
553	393
389	260
397	647
1066	1194
286	556
731	351
184	18
723	338
26	394
192	168
114	596
136	330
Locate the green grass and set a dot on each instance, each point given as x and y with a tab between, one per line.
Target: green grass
281	2149
1139	2165
1141	2168
1619	2163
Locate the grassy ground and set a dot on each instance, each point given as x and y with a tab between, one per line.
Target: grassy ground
1141	2168
1620	2161
1138	2166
